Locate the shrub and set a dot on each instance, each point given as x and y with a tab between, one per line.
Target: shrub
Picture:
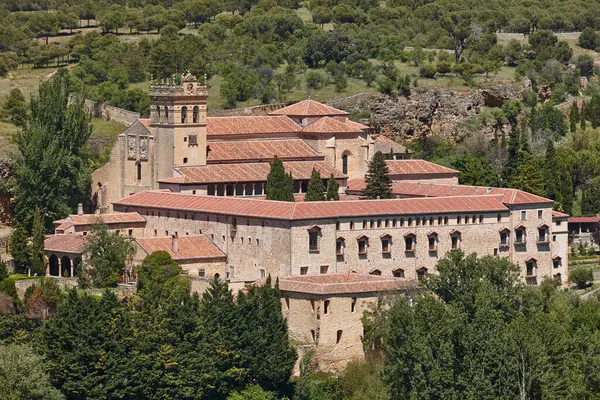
428	71
581	276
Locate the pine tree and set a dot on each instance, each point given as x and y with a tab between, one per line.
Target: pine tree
315	191
574	117
550	170
280	185
37	244
514	146
583	114
528	176
332	189
377	179
533	121
19	248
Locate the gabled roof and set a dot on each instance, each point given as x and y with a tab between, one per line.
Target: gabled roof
330	125
584	220
310	210
145	122
417	167
190	247
249	172
423	189
308	108
71	244
260	150
261	125
342	283
558	214
91	219
385	144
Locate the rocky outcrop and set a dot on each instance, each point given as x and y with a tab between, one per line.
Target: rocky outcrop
437	111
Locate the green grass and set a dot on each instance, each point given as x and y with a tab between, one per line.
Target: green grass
26	79
22	277
7	133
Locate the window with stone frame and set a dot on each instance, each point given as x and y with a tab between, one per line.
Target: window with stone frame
386	244
520	235
530	266
363	244
409	243
303	270
339	246
193	140
323	269
432	241
543	236
556	262
504	237
455	240
314	239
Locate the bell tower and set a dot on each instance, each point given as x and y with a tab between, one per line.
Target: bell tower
178	124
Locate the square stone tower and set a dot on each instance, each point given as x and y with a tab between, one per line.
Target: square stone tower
178	124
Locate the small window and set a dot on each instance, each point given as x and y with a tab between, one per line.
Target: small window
432	243
362	246
385	245
530	267
394	222
185	160
499	217
130	232
540	214
312	305
418	221
339	247
287	303
185	138
408	242
364	224
372	224
439	220
195	115
303	270
520	236
379	223
554	238
387	223
445	220
193	140
421	273
454	242
556	262
431	220
202	273
481	219
353	305
326	307
139	171
155	232
339	336
398	273
313	240
263	273
401	221
324	269
312	334
351	225
542	235
410	222
523	215
466	219
504	238
459	220
337	225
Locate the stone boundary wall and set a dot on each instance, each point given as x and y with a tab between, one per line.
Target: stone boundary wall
247	111
24	284
107	112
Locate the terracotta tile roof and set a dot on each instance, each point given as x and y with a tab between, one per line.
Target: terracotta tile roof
356	125
584	220
238	125
385	144
558	214
145	122
330	125
311	210
342	283
91	219
424	189
249	172
261	150
417	167
190	247
72	244
308	108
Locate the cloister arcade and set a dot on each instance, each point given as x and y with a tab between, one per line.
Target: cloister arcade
63	265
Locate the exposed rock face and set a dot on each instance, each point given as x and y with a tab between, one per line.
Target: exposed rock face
437	111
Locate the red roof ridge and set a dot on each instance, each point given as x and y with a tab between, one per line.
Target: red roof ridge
307	108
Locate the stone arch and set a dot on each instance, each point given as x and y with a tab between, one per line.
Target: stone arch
54	269
183	114
346	161
65	266
195	114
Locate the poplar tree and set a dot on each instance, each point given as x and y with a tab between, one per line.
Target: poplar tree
315	191
53	171
332	189
379	184
37	244
574	117
280	185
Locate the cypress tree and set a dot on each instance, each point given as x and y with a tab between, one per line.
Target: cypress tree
315	191
583	114
332	189
280	186
574	117
19	248
37	244
377	178
550	166
514	146
533	121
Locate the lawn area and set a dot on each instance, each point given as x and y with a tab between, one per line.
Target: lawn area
7	133
104	135
22	277
26	79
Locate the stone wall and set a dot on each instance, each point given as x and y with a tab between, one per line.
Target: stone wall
247	111
101	110
23	285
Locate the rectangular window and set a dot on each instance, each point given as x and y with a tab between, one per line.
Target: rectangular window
531	268
399	273
202	273
385	245
303	270
432	243
313	241
193	140
504	238
540	214
324	269
339	248
520	236
542	237
326	307
454	242
523	215
408	242
556	262
263	273
362	246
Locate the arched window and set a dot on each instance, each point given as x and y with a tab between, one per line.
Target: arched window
195	115
183	114
158	110
166	114
345	164
139	171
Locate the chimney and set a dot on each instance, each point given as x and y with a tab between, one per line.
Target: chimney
79	209
174	243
